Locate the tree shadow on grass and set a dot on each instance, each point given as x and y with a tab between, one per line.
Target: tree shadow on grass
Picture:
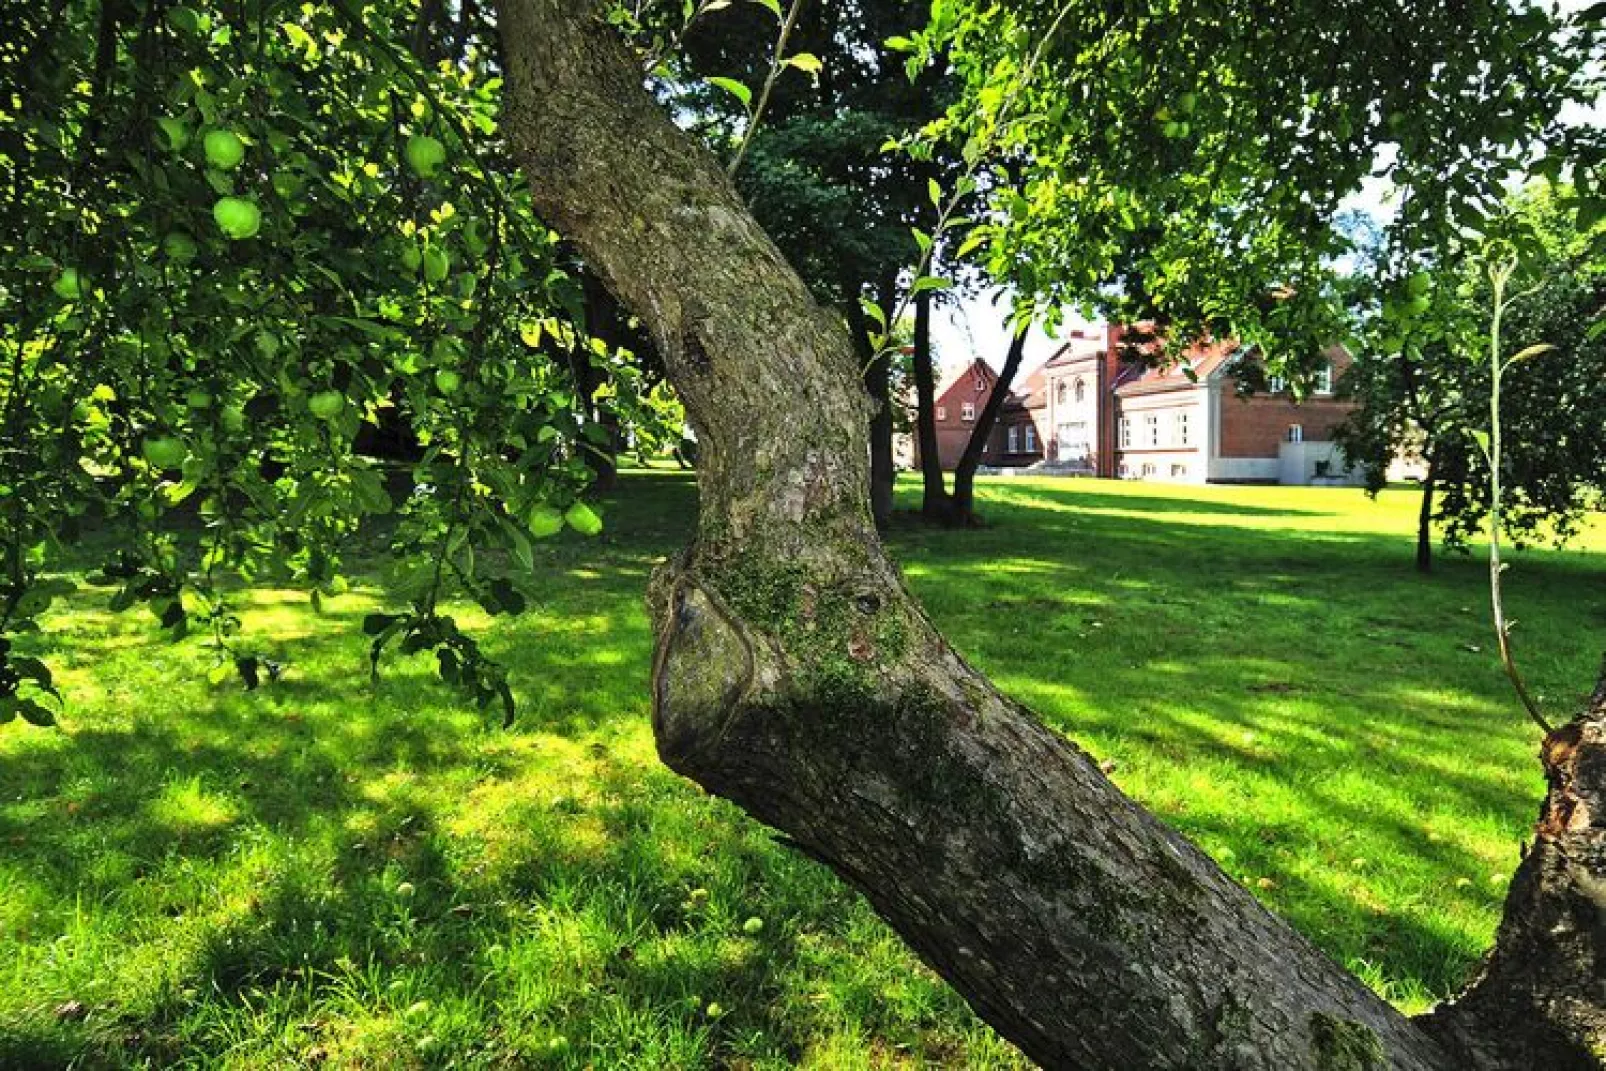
1290	698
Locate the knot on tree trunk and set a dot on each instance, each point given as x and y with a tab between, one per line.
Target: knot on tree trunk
1540	1000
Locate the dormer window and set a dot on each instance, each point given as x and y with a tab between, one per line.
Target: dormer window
1324	380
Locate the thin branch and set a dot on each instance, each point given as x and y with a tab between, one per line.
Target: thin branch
1499	275
777	66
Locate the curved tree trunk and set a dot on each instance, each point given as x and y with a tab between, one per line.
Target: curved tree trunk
935	503
964	505
795	675
1540	1001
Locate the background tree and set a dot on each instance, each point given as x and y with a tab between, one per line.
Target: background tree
1423	387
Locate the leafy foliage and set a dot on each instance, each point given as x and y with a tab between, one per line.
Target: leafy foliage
1185	162
1424	379
256	274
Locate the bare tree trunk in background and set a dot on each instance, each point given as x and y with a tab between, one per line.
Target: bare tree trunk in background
605	321
935	503
795	675
1424	522
878	385
964	505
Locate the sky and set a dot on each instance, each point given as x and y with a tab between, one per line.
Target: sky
974	325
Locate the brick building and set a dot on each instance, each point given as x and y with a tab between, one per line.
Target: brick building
1088	412
1015	440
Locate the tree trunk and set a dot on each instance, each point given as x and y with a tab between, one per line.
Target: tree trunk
605	321
1540	1001
795	675
1424	523
964	507
935	504
878	385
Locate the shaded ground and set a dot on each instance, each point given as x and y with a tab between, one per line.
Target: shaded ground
331	873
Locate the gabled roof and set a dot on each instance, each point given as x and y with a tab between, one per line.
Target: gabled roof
1018	398
1033	390
1203	360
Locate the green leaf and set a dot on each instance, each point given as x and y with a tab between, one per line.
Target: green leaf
934	191
773	6
807	62
35	713
375	624
735	89
1531	352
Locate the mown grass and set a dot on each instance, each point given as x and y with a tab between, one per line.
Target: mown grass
331	873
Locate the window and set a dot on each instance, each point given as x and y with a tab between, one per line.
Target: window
1276	384
1296	433
1148	470
1031	439
1324	380
1081	390
1179	429
1014	439
1126	433
942	412
981	382
967	411
1179	472
1151	426
1059	393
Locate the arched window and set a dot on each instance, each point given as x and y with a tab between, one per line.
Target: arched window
1081	390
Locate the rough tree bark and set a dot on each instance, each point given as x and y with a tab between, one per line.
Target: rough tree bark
935	503
964	504
795	675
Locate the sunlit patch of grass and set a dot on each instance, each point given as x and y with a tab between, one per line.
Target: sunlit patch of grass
334	872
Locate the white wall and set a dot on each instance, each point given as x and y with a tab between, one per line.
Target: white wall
1171	461
1296	464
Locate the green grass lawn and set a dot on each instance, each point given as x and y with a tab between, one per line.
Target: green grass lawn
327	872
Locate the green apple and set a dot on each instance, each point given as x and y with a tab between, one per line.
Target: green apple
544	521
69	285
326	404
198	399
583	519
412	258
180	247
448	381
237	218
436	264
1419	284
424	154
233	419
224	149
164	452
753	926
